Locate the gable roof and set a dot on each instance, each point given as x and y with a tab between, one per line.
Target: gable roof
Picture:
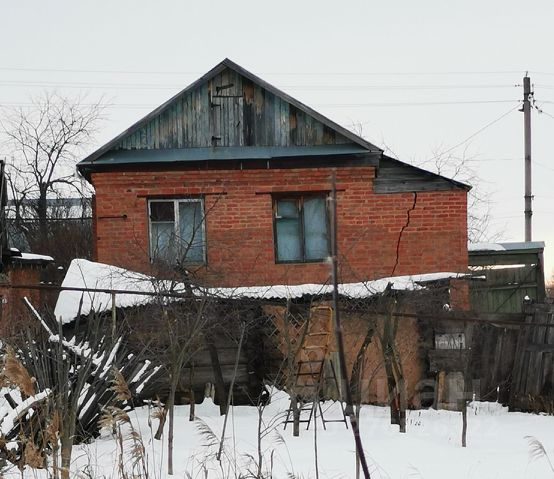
348	135
258	122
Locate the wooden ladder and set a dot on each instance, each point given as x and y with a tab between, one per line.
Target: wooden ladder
310	369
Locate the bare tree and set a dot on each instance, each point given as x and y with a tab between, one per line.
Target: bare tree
459	167
44	142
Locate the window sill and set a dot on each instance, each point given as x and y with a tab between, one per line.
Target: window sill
306	261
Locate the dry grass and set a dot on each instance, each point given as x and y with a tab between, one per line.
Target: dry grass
16	374
537	451
119	386
32	455
53	428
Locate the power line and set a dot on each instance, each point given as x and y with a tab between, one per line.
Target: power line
416	103
473	135
291	73
158	86
542	112
542	165
480	160
326	105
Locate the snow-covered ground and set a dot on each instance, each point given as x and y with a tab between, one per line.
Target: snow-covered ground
431	449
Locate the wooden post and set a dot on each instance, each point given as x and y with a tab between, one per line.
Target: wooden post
517	371
114	318
218	376
230	395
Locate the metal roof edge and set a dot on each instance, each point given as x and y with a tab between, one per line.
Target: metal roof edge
507	247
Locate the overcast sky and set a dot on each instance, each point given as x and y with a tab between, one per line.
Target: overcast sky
419	78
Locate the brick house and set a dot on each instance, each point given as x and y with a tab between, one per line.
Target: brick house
229	178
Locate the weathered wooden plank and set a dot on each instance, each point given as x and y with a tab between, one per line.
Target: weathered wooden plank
328	135
300	129
259	117
395	187
318	133
265	112
518	376
223	79
248	123
276	122
447	360
540	347
285	123
239	111
195	121
187	121
293	126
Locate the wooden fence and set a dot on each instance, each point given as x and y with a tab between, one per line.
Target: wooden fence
532	381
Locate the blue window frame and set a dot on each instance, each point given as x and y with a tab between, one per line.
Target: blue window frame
301	228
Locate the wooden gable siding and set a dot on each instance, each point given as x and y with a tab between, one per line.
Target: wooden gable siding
230	110
393	176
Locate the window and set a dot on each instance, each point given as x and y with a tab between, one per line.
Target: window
300	228
177	231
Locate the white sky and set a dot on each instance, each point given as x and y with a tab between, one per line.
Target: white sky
389	66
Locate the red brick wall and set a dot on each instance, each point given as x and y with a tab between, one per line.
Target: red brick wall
14	316
239	228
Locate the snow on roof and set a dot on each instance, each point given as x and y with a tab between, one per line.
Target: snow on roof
18	255
485	247
351	290
87	274
511	246
34	257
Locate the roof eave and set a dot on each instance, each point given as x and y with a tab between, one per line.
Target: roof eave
455	183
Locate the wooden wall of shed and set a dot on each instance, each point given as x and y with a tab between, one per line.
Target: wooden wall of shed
504	290
229	110
146	331
532	382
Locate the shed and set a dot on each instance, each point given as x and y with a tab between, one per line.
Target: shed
514	273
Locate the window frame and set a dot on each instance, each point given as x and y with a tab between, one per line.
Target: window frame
299	199
176	225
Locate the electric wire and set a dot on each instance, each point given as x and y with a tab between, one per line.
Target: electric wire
291	73
325	105
473	135
160	86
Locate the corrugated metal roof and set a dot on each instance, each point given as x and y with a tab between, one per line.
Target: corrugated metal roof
87	274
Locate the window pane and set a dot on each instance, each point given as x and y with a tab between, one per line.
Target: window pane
288	239
162	211
191	231
315	228
162	242
287	209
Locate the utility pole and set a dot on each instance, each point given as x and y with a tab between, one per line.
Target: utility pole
527	96
346	393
